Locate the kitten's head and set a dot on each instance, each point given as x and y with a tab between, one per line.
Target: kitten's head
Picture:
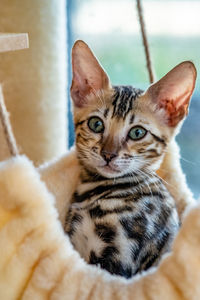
121	129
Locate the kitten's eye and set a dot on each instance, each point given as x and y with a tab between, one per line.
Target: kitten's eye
137	133
96	124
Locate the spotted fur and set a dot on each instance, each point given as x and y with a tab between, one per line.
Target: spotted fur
123	221
122	217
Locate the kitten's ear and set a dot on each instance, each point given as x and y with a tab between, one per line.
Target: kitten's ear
88	75
172	92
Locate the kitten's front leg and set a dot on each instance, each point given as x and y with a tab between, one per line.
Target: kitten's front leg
171	172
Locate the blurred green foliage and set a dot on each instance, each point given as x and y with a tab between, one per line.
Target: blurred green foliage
123	57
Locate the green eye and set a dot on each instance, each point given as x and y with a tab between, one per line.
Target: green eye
137	133
96	124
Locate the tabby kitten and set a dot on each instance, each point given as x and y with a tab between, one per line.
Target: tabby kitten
122	217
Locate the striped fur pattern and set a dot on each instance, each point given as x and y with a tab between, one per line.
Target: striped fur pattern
122	217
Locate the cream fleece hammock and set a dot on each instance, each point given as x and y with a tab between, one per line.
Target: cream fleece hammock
37	260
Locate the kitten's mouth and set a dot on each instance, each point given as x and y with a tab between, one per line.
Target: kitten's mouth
110	169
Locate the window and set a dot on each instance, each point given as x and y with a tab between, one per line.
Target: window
111	29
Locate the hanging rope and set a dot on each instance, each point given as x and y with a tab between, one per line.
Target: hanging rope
7	127
145	41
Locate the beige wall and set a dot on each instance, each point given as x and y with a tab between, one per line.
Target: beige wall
34	80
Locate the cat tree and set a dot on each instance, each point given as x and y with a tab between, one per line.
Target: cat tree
37	260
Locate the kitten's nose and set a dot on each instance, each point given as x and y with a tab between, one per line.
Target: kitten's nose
108	156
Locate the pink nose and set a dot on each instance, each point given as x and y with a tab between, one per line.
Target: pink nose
108	156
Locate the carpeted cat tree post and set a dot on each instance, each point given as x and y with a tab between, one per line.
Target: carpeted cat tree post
34	80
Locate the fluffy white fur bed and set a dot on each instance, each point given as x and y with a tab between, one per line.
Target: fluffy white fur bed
37	260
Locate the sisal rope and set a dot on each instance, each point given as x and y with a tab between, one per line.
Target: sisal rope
145	41
12	146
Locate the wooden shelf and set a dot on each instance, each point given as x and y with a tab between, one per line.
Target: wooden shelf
13	41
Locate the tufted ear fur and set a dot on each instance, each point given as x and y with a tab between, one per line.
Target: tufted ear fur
88	75
172	93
